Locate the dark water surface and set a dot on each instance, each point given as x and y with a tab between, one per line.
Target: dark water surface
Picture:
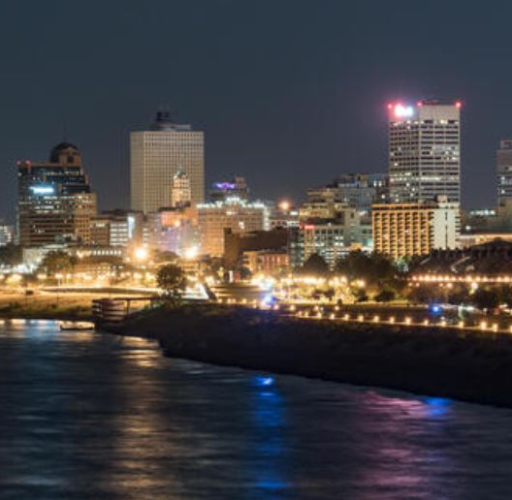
84	415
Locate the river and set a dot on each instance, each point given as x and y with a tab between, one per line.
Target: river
91	416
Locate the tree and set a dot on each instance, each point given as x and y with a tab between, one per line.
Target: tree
505	293
172	280
315	266
385	296
164	256
423	294
57	261
458	295
11	255
486	299
374	269
245	273
360	295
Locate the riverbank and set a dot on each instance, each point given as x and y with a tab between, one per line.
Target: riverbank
441	362
60	306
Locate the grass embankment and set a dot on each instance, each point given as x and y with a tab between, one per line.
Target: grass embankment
69	306
444	362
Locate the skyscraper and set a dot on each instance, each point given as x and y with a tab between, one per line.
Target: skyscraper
156	157
504	172
55	201
424	151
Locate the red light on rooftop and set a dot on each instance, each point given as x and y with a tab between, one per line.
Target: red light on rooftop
390	106
458	104
419	104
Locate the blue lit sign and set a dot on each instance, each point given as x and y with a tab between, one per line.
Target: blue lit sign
227	186
42	189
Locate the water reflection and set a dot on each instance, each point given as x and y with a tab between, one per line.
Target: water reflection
85	415
268	419
437	407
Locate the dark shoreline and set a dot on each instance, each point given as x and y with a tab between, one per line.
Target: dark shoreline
441	362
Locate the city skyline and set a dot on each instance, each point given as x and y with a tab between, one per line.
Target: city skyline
264	114
222	219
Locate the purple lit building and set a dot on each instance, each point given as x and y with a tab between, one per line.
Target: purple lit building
236	188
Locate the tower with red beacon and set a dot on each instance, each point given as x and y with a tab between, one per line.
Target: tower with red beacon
424	151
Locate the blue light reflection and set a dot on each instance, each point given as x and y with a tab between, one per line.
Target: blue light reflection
269	423
437	407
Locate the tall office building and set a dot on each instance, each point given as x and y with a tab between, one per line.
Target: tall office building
156	157
424	151
504	171
55	201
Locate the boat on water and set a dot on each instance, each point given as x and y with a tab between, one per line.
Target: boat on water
76	325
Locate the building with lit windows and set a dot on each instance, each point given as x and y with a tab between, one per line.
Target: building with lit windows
234	214
236	244
409	229
6	234
424	151
173	230
355	190
156	157
55	201
504	174
181	195
322	237
117	228
266	262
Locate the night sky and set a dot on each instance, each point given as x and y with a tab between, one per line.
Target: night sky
290	93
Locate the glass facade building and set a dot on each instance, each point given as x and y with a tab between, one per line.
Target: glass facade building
55	200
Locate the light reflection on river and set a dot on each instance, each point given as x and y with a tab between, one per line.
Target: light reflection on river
85	415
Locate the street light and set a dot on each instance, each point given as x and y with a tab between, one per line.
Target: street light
191	253
141	254
284	206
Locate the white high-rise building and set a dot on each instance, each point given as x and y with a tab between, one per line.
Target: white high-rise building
156	157
424	151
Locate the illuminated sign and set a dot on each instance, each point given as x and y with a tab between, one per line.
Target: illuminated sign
227	186
42	189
